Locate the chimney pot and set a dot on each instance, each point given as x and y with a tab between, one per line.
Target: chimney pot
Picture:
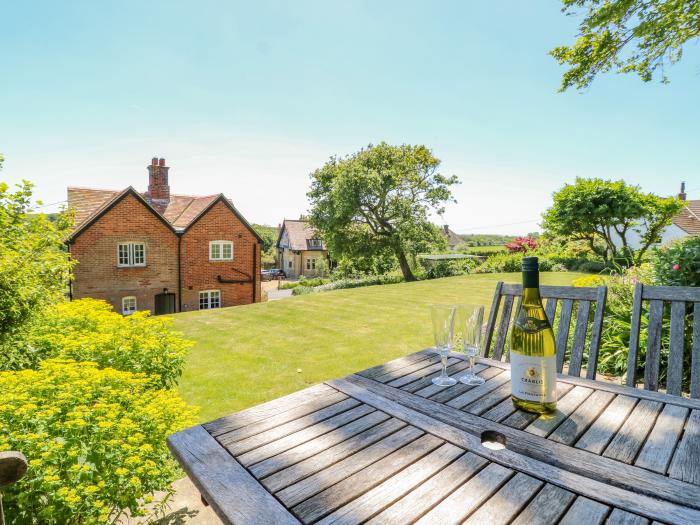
682	195
154	161
161	162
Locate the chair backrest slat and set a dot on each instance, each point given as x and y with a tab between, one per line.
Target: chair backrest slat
550	309
679	297
653	356
584	308
562	337
674	372
634	335
503	327
490	325
495	345
695	353
596	330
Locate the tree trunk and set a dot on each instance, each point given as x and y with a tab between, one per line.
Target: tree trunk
405	267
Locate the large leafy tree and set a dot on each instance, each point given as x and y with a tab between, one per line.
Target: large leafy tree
376	202
34	265
607	214
628	36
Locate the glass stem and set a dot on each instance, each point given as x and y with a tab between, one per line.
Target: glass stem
443	359
471	365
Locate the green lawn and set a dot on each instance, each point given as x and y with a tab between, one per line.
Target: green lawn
250	354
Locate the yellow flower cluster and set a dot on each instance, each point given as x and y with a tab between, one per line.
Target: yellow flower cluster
94	438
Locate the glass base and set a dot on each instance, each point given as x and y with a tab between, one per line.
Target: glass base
472	379
444	381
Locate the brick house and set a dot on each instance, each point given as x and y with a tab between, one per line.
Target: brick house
299	249
162	252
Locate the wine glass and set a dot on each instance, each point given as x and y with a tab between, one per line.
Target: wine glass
468	321
443	330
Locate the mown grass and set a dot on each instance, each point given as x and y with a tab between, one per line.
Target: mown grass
250	354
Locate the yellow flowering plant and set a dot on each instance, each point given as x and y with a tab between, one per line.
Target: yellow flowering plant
94	439
89	330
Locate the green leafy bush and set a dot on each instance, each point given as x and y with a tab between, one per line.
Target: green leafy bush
679	263
303	281
512	262
34	265
303	290
88	330
446	268
94	439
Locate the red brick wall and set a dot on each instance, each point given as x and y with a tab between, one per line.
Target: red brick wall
97	274
199	273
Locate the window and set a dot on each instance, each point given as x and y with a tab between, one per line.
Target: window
315	243
131	254
209	299
311	264
221	251
128	305
289	264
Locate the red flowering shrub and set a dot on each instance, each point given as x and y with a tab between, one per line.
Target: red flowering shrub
522	245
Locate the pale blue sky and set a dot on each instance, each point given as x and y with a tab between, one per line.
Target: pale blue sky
247	98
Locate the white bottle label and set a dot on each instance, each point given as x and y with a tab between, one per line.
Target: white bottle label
534	378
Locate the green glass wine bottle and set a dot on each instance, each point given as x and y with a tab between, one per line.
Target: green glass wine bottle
532	350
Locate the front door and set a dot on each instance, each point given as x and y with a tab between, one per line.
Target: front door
165	303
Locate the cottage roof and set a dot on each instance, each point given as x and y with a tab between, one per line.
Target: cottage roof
179	212
452	238
300	233
688	219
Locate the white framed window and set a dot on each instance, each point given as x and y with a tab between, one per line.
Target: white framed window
221	251
128	305
131	254
311	263
209	299
315	243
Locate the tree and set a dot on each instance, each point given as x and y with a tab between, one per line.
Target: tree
605	213
34	265
655	30
269	237
376	201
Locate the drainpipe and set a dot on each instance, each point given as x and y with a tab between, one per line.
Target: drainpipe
70	281
179	272
255	270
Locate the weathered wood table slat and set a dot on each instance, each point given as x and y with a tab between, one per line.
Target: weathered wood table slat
387	446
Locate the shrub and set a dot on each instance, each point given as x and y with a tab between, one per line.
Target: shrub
678	264
88	330
371	280
521	245
303	281
303	290
512	262
34	264
94	439
447	268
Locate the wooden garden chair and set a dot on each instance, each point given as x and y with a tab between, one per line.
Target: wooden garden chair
681	299
508	294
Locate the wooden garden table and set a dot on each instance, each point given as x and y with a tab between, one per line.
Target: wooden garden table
385	445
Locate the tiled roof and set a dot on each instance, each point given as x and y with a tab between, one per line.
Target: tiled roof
300	233
452	238
688	219
180	212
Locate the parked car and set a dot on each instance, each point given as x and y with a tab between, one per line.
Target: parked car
274	273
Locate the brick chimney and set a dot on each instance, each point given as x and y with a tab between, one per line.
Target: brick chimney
682	196
158	189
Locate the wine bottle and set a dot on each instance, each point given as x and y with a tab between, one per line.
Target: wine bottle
532	350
